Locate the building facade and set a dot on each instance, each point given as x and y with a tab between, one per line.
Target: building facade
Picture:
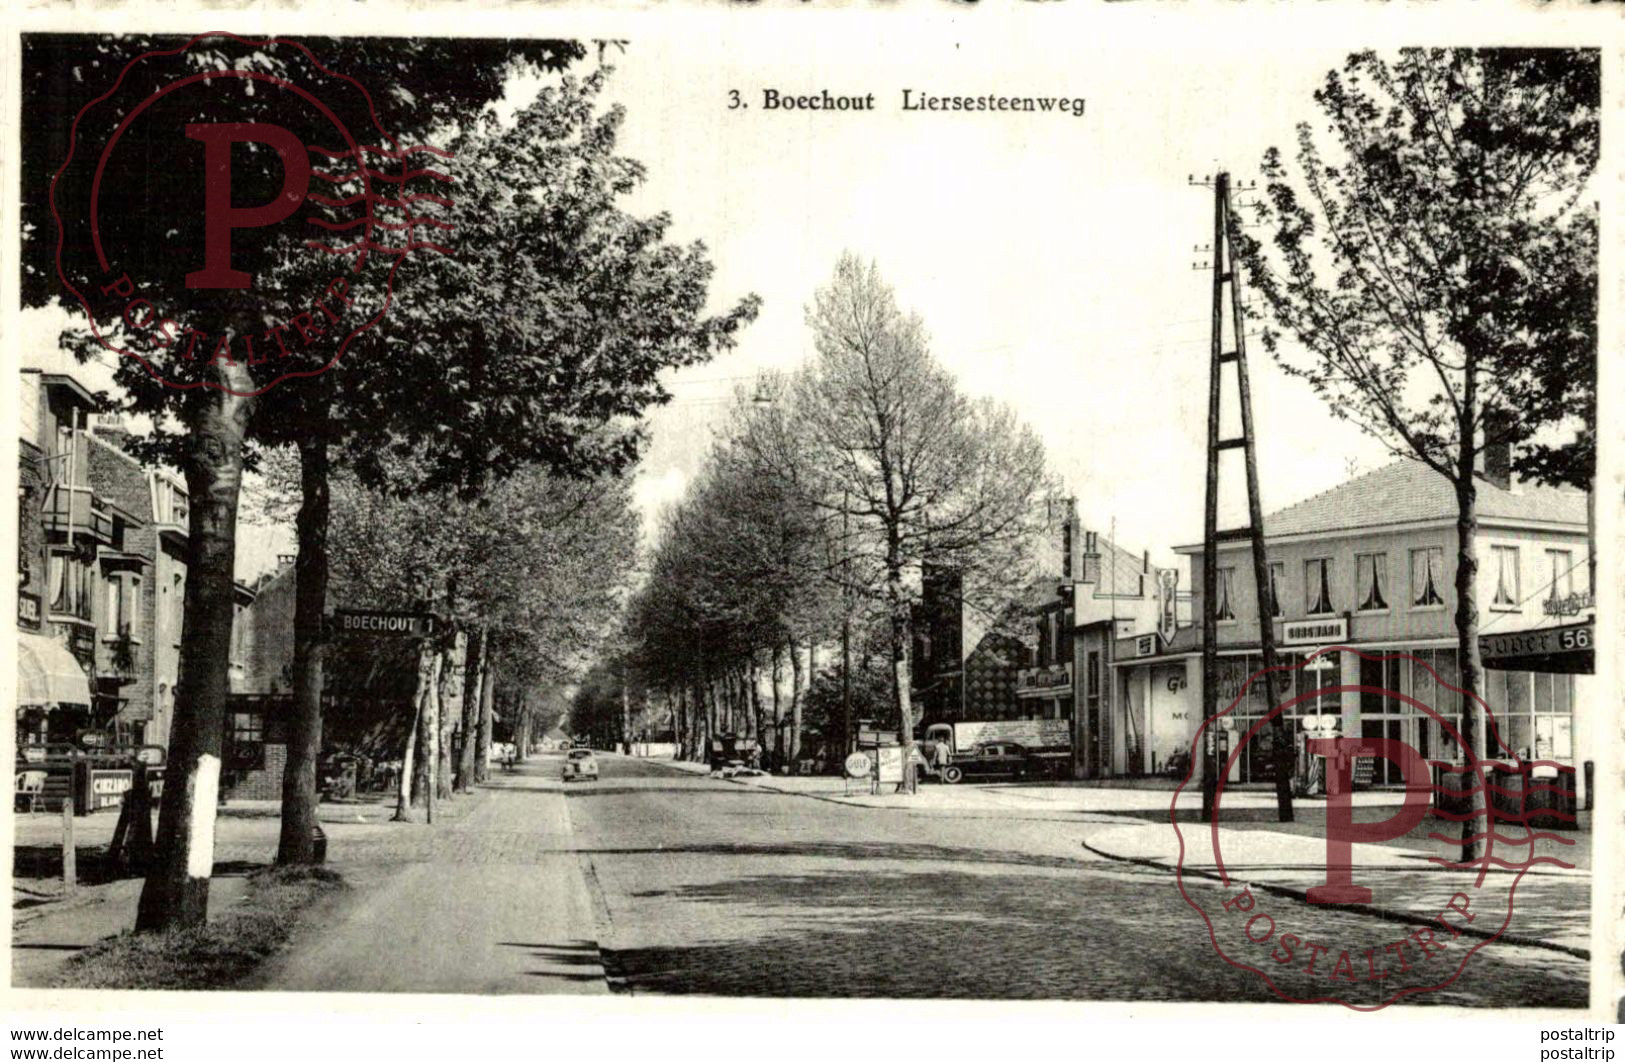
1371	565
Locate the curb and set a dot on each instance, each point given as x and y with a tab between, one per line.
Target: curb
1384	914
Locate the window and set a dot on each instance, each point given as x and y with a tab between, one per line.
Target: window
1227	586
1507	595
1277	579
1371	579
1427	577
1560	572
1317	586
123	606
72	585
1093	685
245	740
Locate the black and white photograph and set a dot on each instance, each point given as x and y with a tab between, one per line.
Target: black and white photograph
808	513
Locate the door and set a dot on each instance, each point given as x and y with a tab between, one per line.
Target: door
1384	772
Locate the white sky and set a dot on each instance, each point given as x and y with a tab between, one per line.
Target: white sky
1050	256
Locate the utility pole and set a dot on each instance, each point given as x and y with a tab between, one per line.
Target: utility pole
1224	274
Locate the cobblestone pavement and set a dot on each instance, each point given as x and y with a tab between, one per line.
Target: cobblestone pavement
714	887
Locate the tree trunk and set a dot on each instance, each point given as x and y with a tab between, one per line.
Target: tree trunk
778	708
453	663
413	790
792	744
754	688
474	682
176	891
299	796
482	754
1471	664
626	717
902	676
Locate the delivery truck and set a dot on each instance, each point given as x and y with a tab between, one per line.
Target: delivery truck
954	751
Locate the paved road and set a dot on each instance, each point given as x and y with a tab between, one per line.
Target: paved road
659	880
720	888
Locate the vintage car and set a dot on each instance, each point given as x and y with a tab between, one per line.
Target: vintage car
989	759
580	765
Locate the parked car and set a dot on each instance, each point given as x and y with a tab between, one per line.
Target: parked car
989	759
580	765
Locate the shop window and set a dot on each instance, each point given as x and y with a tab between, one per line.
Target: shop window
1380	675
1507	593
1427	577
1277	580
1317	586
1226	594
1371	580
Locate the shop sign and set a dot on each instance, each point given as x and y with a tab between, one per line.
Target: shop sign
1145	645
1315	631
1571	638
1568	605
1040	681
385	624
28	609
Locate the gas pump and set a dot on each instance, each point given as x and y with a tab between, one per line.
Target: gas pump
1309	778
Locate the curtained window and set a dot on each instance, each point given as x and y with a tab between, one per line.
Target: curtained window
1427	577
1317	586
1560	564
1226	609
1507	595
1277	578
1371	573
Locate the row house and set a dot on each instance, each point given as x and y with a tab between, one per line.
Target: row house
101	575
1371	564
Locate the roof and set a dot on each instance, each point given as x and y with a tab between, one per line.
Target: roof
1407	492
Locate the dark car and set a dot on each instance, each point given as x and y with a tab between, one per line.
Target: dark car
989	759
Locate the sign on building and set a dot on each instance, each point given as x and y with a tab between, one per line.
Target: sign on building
380	623
1043	681
1315	631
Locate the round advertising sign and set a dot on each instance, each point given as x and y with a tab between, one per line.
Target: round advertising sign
858	765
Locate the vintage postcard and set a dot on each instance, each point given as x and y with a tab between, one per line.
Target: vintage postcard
1108	506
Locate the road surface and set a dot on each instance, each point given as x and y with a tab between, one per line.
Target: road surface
659	880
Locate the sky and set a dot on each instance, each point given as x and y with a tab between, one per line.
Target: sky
1050	256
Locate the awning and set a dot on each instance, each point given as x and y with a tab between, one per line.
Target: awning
47	674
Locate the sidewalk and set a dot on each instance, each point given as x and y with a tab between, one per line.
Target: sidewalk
48	929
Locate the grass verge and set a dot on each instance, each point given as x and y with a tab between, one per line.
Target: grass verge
217	955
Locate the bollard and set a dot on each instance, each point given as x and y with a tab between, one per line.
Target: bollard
70	867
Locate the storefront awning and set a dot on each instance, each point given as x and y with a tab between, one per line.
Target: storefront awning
47	674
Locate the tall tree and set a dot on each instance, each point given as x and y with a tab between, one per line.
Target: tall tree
1438	270
904	467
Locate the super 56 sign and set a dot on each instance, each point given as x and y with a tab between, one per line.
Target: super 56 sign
236	202
1434	909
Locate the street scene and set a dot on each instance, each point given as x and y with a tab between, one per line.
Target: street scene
490	526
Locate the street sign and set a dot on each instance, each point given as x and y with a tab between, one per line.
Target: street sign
380	623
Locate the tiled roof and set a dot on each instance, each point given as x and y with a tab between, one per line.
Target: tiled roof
1408	492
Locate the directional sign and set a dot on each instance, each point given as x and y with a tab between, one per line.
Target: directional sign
377	623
